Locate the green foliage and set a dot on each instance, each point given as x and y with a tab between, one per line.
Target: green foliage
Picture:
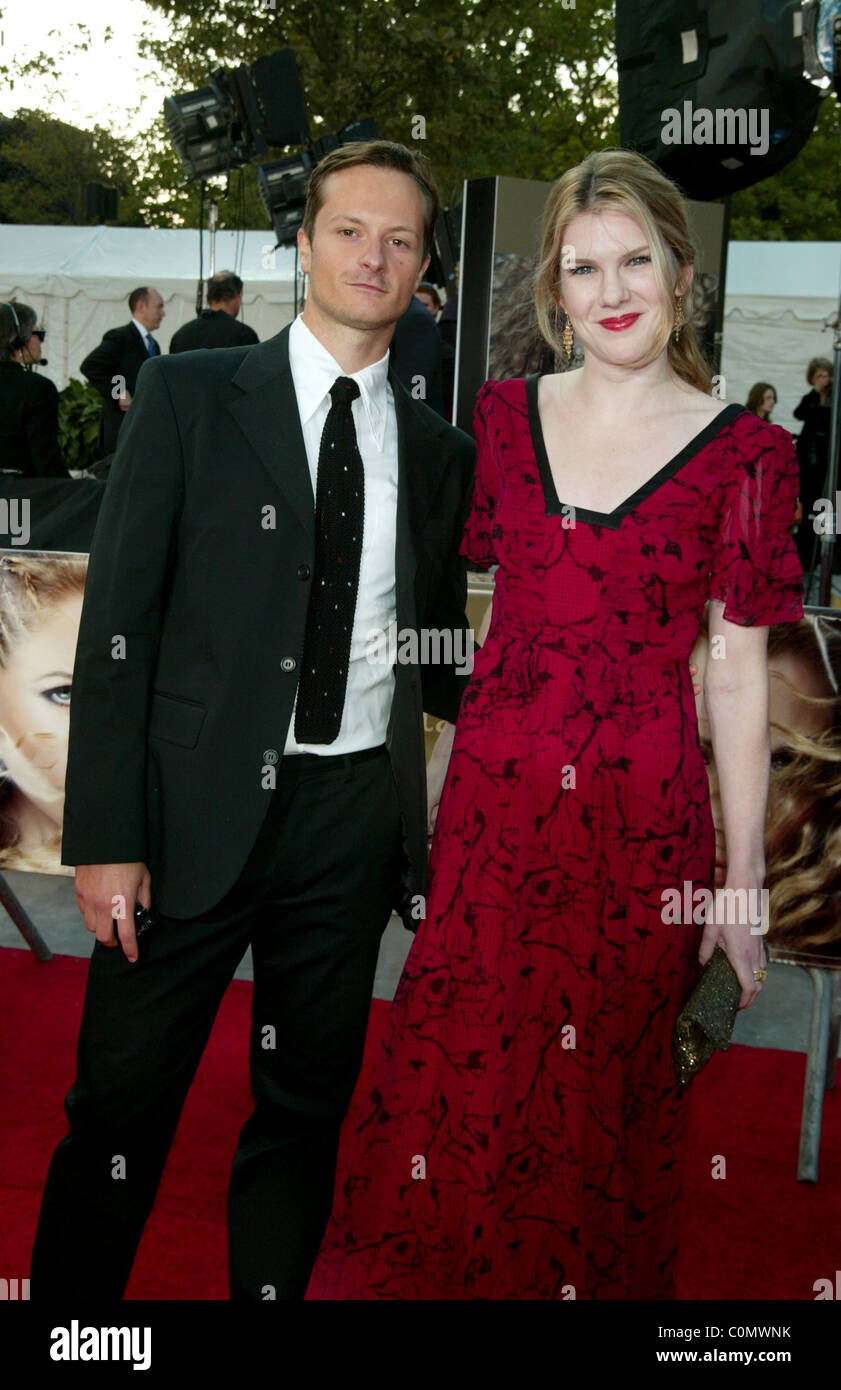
803	201
79	407
522	88
46	164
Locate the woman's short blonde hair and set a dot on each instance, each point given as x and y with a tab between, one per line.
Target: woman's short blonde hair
623	182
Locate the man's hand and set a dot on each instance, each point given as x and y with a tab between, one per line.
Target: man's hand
124	400
97	885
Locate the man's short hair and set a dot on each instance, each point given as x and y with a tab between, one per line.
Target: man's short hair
138	296
223	287
382	154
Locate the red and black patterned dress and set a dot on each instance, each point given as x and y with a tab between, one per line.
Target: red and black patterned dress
522	1134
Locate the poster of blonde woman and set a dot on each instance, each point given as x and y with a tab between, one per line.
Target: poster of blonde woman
40	607
803	826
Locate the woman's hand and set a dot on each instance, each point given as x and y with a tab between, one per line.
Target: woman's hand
735	929
436	772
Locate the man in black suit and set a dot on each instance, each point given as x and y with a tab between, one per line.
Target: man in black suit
28	403
113	366
243	756
217	325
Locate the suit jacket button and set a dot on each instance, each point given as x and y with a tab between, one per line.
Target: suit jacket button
303	571
288	663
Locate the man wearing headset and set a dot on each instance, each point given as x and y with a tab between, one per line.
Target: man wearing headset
28	402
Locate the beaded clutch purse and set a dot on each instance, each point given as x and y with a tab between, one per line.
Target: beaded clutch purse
707	1018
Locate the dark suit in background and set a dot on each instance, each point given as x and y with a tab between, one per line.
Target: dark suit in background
212	329
172	746
812	447
416	352
29	423
121	353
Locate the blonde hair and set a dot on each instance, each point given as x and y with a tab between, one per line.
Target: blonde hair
31	585
803	825
803	831
623	182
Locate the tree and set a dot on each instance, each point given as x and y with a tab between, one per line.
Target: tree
520	89
802	202
45	164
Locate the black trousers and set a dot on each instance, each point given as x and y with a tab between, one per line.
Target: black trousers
313	901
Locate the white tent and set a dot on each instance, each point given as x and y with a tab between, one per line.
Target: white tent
778	294
79	279
778	297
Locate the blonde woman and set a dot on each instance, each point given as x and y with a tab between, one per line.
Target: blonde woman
40	607
523	1133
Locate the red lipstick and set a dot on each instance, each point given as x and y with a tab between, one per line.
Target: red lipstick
616	325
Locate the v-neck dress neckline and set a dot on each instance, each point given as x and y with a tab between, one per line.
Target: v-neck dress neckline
613	520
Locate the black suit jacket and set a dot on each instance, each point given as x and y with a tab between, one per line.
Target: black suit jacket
416	352
29	423
193	620
122	353
212	329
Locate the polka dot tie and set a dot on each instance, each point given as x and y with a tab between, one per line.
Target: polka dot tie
339	521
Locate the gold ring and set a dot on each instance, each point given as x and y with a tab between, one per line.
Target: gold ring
759	975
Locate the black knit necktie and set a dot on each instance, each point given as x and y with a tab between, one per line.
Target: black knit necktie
339	519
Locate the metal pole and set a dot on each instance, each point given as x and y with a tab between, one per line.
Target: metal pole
23	921
212	219
831	485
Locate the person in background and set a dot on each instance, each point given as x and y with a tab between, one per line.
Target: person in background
217	325
416	355
812	447
429	298
448	329
113	366
761	399
28	403
448	318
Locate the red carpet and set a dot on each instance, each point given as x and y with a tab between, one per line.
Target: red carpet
755	1233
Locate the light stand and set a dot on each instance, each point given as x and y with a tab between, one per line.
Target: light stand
212	222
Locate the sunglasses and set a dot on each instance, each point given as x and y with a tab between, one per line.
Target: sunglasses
40	333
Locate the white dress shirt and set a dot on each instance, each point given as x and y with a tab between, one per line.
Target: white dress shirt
370	686
144	332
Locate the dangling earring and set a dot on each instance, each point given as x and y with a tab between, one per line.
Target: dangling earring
568	337
679	318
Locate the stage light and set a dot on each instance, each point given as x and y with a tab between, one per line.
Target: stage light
819	48
204	129
283	190
283	182
232	120
716	94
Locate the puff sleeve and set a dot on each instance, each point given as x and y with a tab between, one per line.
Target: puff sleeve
477	544
756	572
